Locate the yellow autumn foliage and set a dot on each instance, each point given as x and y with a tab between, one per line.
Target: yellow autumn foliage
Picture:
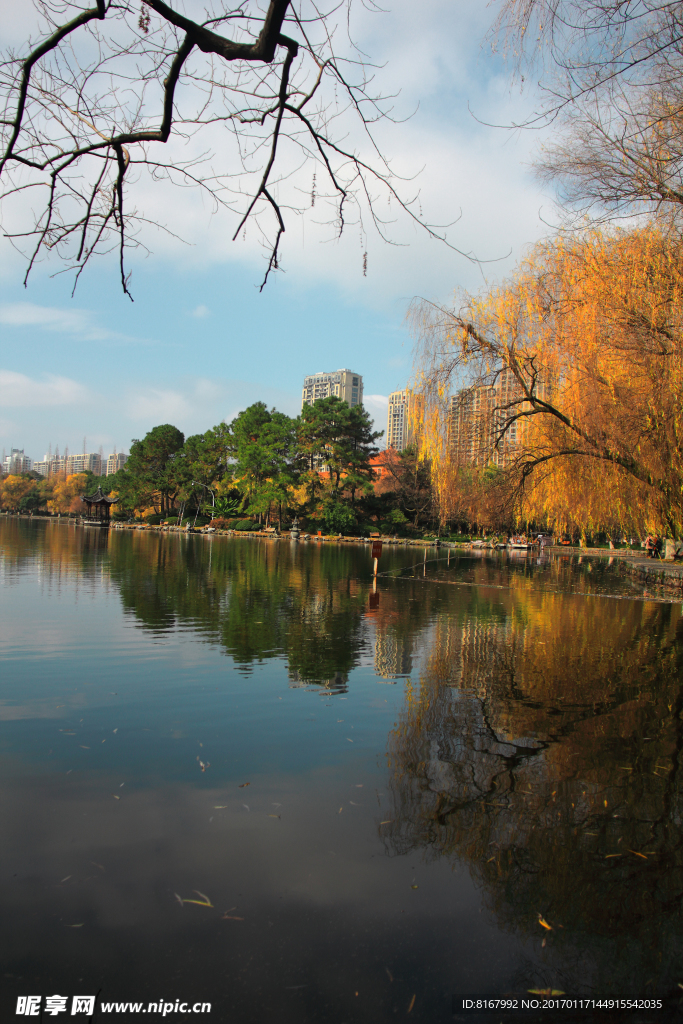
66	496
588	331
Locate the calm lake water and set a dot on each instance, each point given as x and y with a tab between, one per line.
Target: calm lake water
469	782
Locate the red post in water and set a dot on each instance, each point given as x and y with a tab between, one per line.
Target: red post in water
376	553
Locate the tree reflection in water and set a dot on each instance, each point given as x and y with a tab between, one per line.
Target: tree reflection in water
539	743
542	748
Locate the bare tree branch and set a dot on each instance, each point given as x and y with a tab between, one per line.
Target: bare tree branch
83	112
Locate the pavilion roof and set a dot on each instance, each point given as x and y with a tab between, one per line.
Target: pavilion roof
98	498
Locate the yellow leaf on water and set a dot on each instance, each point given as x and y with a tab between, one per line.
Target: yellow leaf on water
116	797
83	747
544	924
229	917
412	1003
80	925
219	807
607	856
387	822
413	887
635	852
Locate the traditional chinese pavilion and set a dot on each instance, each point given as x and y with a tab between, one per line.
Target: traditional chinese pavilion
99	506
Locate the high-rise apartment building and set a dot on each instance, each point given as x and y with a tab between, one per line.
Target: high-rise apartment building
83	463
344	384
476	419
17	462
116	461
50	465
402	414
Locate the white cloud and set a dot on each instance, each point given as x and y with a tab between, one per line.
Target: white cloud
79	323
198	403
19	390
157	405
437	65
377	406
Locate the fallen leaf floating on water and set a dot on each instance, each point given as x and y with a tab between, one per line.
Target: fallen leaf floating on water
115	730
412	1003
204	764
544	924
391	977
354	803
636	854
246	806
414	887
219	807
349	740
66	879
387	822
340	810
243	784
274	815
80	925
204	902
116	796
83	747
359	785
607	857
230	917
545	991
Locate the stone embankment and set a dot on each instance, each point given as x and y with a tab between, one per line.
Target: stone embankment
651	572
273	535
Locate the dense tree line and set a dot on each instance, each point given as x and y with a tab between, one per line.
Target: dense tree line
261	469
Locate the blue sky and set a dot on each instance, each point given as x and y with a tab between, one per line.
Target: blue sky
201	342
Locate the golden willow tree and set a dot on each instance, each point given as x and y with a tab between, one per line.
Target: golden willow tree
570	377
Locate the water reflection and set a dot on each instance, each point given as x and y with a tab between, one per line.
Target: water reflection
537	741
542	746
